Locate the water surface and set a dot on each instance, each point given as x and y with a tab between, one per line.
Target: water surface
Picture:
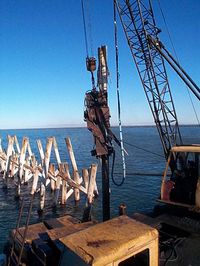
138	192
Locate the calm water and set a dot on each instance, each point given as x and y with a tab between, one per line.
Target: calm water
138	192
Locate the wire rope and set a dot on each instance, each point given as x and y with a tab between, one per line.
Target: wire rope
90	29
84	27
148	151
118	103
176	56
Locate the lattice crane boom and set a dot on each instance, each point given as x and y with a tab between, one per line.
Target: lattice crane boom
138	22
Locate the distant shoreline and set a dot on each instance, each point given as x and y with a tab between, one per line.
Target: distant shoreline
114	126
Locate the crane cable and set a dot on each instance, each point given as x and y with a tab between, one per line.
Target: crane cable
118	106
173	48
85	31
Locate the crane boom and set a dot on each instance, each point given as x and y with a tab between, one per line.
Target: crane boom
138	22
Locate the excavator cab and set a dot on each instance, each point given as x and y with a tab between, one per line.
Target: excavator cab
181	185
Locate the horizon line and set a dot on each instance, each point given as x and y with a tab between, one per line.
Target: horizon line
85	126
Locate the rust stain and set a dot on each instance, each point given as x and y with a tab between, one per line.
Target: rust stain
98	243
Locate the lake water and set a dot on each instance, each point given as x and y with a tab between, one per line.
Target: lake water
138	192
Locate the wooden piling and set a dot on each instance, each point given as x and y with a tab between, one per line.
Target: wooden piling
42	196
67	176
26	166
17	144
35	181
91	187
75	168
14	161
47	156
30	153
52	171
22	157
41	151
58	182
8	157
64	186
18	189
85	175
1	149
27	172
56	151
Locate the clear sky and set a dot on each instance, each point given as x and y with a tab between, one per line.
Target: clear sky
43	76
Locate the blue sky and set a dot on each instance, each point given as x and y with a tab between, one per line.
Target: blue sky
42	61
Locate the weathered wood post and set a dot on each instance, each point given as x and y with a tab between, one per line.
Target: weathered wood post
85	175
27	173
22	157
67	175
61	170
58	182
90	181
91	187
17	144
52	181
64	187
8	158
35	181
47	156
75	168
56	151
41	151
42	197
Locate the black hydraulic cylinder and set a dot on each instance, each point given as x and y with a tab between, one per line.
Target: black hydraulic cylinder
105	188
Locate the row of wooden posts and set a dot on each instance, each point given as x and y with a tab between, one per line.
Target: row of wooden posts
20	165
